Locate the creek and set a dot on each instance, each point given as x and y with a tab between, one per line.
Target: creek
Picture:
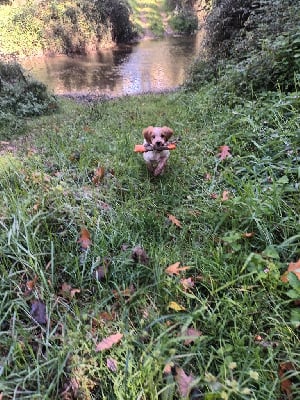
149	66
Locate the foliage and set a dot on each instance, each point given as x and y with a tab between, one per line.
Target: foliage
63	26
255	45
164	286
185	22
20	96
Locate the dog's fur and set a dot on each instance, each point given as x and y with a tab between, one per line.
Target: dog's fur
156	138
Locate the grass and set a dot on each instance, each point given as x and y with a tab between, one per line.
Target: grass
147	16
236	250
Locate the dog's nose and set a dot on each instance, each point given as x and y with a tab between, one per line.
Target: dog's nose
158	144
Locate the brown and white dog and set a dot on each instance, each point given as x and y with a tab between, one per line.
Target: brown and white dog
156	138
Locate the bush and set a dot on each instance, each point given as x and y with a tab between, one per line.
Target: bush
21	96
258	44
64	26
185	22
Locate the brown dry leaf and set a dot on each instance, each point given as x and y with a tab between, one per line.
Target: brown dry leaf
101	272
38	312
207	176
174	220
224	152
175	306
168	369
286	384
36	206
192	334
105	316
109	341
184	382
88	129
31	284
225	195
65	287
124	293
174	269
70	390
139	255
214	196
293	267
98	175
68	291
38	177
112	364
247	235
187	283
85	238
74	291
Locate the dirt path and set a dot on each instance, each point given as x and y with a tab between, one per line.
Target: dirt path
151	16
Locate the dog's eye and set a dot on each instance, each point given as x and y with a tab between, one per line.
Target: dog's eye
153	136
162	135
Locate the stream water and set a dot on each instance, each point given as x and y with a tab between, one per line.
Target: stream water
149	66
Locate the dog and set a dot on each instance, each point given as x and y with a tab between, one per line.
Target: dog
155	139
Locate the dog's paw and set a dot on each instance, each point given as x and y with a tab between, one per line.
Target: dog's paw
158	171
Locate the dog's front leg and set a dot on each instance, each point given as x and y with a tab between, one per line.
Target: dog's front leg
160	167
150	167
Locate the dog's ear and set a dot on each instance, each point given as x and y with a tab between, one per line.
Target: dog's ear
147	132
167	131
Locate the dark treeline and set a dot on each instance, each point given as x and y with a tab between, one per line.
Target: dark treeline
255	43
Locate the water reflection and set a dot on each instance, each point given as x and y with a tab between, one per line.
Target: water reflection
148	66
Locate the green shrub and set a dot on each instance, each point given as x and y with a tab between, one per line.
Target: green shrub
184	21
21	96
63	26
255	45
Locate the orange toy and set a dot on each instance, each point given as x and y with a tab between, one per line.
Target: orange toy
140	148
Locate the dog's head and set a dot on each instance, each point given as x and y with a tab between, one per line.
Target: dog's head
157	136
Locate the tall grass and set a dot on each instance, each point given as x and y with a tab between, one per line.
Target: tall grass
238	301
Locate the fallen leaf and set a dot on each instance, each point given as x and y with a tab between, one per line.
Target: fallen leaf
75	156
247	235
85	238
98	175
124	293
214	196
224	152
38	312
184	382
192	334
187	283
112	364
109	341
74	291
105	316
225	195
36	207
174	220
68	291
174	269
101	272
286	384
175	306
139	255
39	177
70	390
168	369
293	267
207	176
31	284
